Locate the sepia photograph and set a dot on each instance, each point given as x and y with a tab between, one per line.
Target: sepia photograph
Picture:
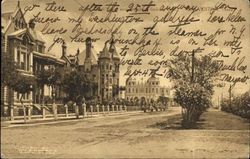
125	79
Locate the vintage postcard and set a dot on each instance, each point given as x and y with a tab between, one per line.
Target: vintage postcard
125	79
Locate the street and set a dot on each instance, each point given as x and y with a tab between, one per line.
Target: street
129	136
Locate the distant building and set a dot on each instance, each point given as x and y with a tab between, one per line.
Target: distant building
150	89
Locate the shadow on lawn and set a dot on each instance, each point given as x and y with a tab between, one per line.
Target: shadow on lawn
174	123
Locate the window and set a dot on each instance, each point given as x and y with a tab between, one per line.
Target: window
18	57
40	48
107	67
25	96
22	61
153	83
25	41
28	62
110	67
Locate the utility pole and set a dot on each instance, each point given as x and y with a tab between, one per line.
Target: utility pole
192	75
230	95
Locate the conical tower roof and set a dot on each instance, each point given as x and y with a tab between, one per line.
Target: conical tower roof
112	48
105	53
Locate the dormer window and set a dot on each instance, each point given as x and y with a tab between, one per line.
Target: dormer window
25	41
40	48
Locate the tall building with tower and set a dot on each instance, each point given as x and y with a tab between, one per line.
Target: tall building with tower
103	68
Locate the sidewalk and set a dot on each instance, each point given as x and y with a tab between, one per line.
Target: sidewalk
71	117
215	119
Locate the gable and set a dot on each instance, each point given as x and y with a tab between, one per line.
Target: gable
14	22
20	34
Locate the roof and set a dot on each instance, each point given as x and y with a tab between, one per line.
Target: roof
18	32
153	79
82	56
115	54
36	34
112	48
47	56
105	53
7	16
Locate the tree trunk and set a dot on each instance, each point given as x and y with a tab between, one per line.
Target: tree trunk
24	109
54	103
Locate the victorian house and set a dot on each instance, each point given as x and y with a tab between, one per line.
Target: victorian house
25	46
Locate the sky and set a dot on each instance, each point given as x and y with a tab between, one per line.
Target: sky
72	7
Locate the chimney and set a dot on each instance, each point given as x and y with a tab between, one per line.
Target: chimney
78	51
64	47
88	46
32	24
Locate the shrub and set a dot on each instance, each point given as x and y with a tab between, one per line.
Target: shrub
239	106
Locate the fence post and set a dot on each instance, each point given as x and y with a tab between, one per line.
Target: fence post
12	112
113	109
66	110
44	111
84	110
97	109
91	110
55	110
29	112
125	108
108	109
103	109
76	111
117	108
120	108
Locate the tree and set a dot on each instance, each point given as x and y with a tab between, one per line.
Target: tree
8	71
51	77
23	84
78	85
193	80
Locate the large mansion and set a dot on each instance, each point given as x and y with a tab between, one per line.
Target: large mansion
25	45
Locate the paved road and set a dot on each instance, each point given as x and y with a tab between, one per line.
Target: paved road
123	136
